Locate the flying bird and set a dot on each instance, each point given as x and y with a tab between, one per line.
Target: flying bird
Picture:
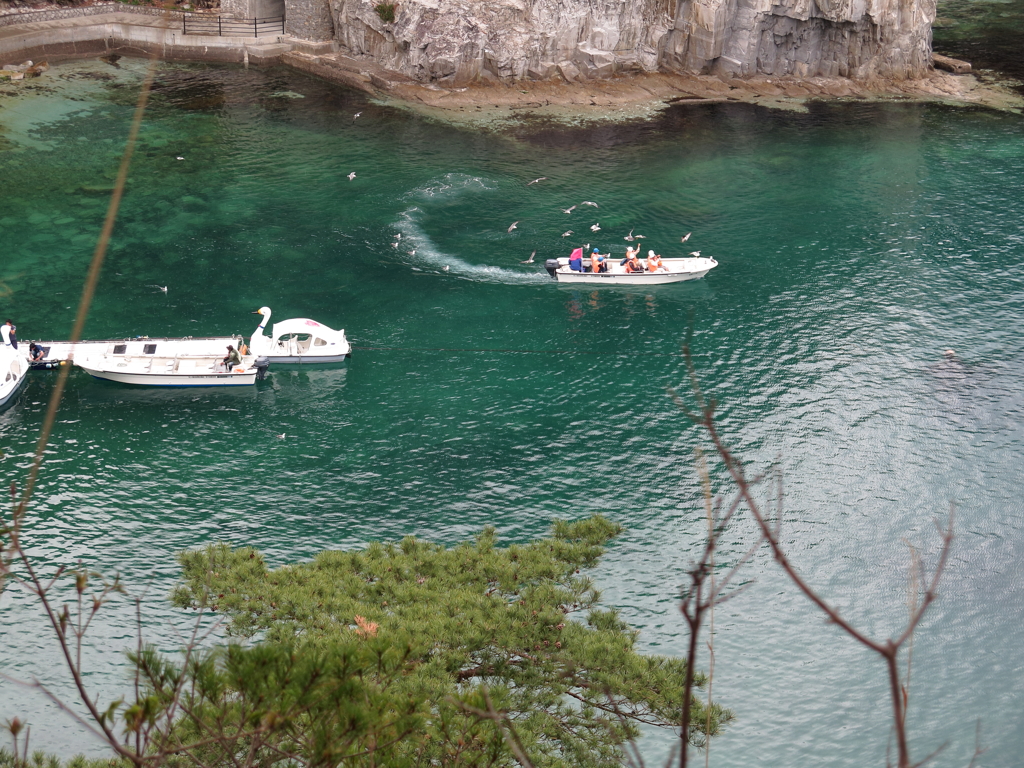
181	158
587	202
351	175
595	227
695	253
162	288
446	267
394	244
542	178
629	238
412	252
357	114
566	234
282	436
570	209
529	260
640	237
686	237
513	226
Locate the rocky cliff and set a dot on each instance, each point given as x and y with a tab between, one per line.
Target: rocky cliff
462	41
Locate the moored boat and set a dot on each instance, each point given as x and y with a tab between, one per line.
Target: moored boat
298	340
13	367
175	371
675	271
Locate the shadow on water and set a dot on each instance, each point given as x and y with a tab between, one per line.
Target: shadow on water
987	33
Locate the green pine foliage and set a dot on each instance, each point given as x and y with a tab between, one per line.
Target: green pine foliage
386	656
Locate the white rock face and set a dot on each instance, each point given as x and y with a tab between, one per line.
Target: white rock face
462	41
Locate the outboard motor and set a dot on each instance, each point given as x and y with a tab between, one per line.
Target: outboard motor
261	365
551	265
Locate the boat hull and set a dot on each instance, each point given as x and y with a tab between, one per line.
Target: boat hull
307	359
174	380
13	367
678	271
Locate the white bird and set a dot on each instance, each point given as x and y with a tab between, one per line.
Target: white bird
587	202
181	158
529	260
513	226
357	114
640	237
695	253
686	237
394	244
542	178
398	236
570	209
351	175
629	238
566	234
162	288
595	227
281	436
446	267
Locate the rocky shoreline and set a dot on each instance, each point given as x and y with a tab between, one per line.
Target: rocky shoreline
636	95
487	102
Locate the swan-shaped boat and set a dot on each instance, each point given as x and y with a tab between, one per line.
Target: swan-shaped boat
298	340
13	367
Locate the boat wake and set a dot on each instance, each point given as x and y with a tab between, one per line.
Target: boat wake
424	254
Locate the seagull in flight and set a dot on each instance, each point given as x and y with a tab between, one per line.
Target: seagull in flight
595	227
357	114
529	260
412	252
542	178
695	253
566	234
282	436
446	267
570	209
629	238
686	237
161	288
394	244
513	226
181	158
351	175
587	202
640	237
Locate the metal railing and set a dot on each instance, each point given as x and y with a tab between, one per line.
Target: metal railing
226	26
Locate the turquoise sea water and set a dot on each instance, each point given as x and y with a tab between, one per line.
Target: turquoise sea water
856	242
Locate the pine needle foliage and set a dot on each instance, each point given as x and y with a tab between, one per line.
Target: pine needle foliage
387	643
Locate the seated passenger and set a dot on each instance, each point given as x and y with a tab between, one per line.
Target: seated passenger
629	254
576	260
654	263
633	263
231	358
597	262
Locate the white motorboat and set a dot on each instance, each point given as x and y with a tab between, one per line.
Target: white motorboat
675	271
13	367
54	352
172	371
298	340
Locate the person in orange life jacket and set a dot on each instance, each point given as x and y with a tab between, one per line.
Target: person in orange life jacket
597	263
576	260
633	263
654	263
